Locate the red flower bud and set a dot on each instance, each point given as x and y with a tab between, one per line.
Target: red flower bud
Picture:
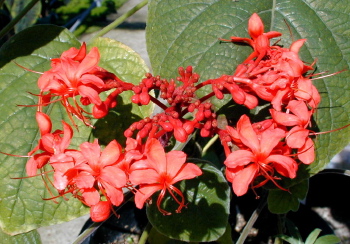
180	134
100	211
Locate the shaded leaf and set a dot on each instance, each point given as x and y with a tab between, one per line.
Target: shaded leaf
16	6
206	215
313	236
281	202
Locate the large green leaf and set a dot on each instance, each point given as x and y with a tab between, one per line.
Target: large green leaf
130	67
206	215
188	35
25	238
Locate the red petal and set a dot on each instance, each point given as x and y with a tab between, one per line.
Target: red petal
91	196
44	123
110	154
247	134
255	26
156	155
239	158
243	178
144	193
188	171
114	176
284	165
144	176
174	162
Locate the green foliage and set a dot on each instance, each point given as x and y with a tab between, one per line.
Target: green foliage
16	6
313	237
25	238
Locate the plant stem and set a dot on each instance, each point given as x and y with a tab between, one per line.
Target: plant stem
15	20
251	221
209	144
120	20
145	233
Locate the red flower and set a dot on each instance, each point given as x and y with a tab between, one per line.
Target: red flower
99	168
261	157
75	73
298	136
50	143
160	172
259	40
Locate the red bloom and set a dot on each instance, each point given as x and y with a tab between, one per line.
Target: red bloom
99	168
298	136
259	40
261	158
160	172
50	143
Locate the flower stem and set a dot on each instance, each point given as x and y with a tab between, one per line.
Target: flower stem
120	20
209	144
15	20
145	234
251	221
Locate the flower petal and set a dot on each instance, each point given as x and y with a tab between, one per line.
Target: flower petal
239	158
247	134
144	193
110	154
144	176
284	165
156	155
243	178
188	171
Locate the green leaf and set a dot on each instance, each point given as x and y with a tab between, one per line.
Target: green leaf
157	238
189	32
25	238
22	207
313	236
206	215
16	6
130	67
280	202
328	239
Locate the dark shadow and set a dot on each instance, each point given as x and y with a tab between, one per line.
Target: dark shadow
27	41
115	123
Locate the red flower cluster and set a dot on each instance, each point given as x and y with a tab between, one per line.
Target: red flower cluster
276	75
267	150
97	177
76	73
